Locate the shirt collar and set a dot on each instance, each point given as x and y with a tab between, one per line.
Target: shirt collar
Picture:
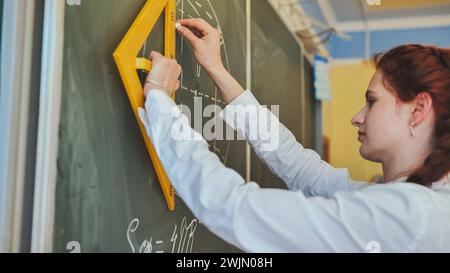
442	185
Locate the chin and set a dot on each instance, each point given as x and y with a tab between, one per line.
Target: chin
363	153
367	154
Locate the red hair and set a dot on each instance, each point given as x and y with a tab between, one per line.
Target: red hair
409	70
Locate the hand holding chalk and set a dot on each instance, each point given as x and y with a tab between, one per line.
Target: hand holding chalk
205	41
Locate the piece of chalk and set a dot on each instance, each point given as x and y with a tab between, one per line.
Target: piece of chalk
177	25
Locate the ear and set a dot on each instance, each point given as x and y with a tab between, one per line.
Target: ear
423	106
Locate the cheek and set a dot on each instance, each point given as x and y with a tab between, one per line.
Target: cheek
384	127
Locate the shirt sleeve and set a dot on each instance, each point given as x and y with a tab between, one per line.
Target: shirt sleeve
273	220
301	169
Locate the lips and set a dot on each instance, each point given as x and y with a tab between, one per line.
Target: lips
361	135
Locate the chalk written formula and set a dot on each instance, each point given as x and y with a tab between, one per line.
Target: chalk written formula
182	239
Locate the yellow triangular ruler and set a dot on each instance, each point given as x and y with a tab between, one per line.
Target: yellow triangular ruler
128	63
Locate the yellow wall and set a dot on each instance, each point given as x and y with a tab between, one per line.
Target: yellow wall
349	84
402	4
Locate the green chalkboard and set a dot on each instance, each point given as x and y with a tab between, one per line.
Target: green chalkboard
276	78
107	195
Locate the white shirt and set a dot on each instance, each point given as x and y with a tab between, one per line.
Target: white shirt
324	210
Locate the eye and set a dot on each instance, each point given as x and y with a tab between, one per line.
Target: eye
370	102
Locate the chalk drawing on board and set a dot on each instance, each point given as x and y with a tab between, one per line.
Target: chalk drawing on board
181	240
205	10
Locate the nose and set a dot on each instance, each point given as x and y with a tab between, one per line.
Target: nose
358	119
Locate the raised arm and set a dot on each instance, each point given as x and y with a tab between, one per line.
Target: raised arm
300	169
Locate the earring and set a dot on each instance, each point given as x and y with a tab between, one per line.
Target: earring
411	129
411	126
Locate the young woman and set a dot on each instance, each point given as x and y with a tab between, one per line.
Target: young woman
405	126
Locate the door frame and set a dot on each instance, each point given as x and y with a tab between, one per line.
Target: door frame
49	117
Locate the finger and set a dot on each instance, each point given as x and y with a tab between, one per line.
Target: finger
177	85
197	33
189	35
196	24
154	55
178	72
